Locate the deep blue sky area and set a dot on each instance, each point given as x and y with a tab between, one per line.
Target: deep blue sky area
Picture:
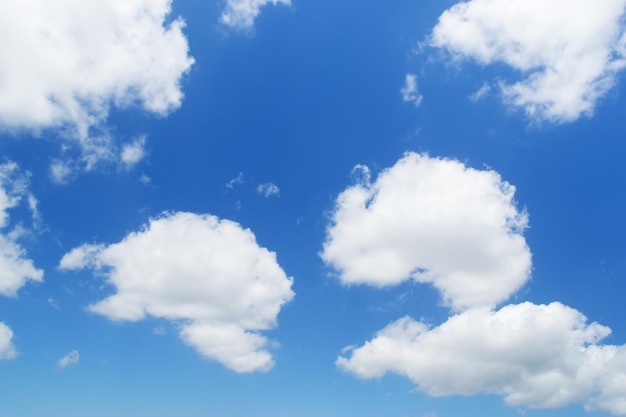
287	208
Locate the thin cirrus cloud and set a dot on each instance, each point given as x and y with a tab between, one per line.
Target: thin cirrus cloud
433	221
72	358
240	14
538	356
480	93
7	350
567	53
206	274
436	220
238	180
65	63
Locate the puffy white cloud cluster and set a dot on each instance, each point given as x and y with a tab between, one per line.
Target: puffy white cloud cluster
65	63
434	221
208	275
540	356
7	350
437	221
15	268
240	14
568	52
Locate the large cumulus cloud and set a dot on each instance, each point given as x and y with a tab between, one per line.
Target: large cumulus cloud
65	63
567	53
206	274
541	356
438	221
435	221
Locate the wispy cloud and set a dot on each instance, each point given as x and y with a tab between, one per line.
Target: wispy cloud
480	93
409	90
133	152
72	358
235	181
61	171
53	303
268	189
16	268
240	14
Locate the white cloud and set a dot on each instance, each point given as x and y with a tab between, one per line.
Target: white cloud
229	344
60	171
53	303
15	268
65	63
208	275
540	356
133	152
7	350
361	174
240	14
434	221
480	93
409	90
144	179
268	189
235	181
567	52
71	358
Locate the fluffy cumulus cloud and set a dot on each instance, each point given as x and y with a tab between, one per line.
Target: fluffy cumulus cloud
439	221
433	221
15	268
7	351
72	358
409	90
568	53
65	63
240	14
540	356
206	274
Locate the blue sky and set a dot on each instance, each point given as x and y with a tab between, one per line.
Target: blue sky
249	208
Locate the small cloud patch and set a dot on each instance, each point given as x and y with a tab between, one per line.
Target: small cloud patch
409	90
268	189
72	358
